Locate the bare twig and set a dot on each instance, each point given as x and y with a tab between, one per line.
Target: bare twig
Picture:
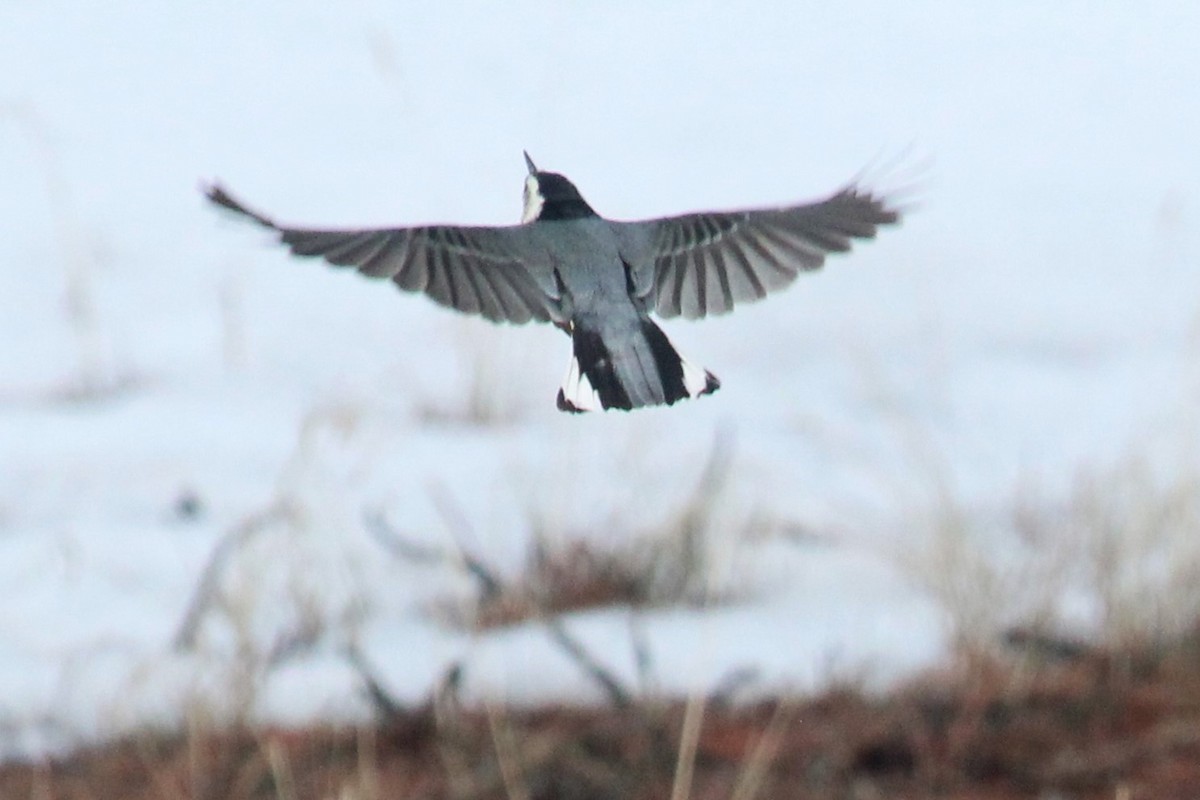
507	754
385	705
642	657
281	771
96	372
686	564
491	585
689	739
404	548
210	580
750	780
460	529
618	695
400	546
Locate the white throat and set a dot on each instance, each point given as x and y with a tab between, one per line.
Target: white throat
533	200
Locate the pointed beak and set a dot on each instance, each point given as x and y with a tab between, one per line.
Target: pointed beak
529	163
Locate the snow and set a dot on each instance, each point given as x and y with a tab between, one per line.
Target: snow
1034	316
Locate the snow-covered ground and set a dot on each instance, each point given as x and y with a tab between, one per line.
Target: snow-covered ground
1035	315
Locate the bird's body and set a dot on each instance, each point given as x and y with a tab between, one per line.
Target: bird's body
599	279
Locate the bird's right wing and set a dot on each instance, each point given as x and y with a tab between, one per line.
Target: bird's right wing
699	264
495	272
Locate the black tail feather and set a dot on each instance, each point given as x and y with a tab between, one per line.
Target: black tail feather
595	361
668	362
628	368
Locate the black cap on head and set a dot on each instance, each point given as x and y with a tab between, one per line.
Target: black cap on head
560	198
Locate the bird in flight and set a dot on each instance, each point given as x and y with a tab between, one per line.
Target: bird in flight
599	279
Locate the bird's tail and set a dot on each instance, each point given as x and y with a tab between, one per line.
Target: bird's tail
638	367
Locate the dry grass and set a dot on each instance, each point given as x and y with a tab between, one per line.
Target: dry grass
1117	559
669	565
95	374
572	578
1102	724
271	591
1020	712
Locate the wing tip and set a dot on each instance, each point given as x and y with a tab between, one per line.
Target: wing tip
894	185
216	194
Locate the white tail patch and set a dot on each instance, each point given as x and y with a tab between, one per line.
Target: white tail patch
577	394
697	380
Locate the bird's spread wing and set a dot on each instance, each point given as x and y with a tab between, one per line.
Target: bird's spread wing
699	264
493	272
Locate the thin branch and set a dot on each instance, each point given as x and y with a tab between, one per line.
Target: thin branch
386	706
750	780
689	740
508	756
491	586
618	695
689	559
400	546
404	548
209	585
460	529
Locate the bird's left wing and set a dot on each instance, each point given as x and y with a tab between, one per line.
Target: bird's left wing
495	272
699	264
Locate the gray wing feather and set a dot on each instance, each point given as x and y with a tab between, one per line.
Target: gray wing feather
700	264
492	272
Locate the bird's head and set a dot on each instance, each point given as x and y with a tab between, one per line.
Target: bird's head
550	196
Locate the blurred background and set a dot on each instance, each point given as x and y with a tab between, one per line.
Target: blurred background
230	479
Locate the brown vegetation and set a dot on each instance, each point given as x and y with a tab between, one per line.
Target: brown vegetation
1043	721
